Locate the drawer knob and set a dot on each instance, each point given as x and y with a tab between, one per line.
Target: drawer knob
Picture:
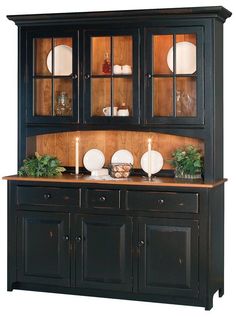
160	201
102	198
47	196
66	237
141	243
78	238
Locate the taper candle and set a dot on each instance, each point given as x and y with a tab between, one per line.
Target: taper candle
149	158
77	156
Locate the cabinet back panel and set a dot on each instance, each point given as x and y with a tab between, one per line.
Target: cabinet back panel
63	144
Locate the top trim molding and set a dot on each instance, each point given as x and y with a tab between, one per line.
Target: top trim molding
53	18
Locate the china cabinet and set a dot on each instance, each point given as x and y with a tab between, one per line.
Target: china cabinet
111	81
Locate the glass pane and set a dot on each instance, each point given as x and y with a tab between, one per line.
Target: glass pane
43	97
62	56
163	97
186	97
162	45
186	54
101	96
101	55
123	96
122	54
42	47
63	97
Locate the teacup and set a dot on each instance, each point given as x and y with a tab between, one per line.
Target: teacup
117	69
126	69
107	111
123	112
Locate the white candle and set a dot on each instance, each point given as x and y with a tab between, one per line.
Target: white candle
77	156
149	158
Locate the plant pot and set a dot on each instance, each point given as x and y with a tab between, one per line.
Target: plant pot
180	174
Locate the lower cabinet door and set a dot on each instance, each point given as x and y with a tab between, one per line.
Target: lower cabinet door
168	255
103	252
43	250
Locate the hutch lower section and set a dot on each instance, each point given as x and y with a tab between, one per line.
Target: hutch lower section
152	243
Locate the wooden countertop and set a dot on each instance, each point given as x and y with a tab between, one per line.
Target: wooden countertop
133	180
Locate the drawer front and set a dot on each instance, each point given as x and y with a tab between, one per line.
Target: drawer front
27	195
99	198
162	201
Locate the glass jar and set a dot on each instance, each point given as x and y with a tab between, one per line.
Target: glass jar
63	106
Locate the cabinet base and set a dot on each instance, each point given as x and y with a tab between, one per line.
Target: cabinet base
113	294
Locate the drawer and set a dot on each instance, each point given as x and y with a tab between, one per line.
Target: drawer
27	195
162	201
99	198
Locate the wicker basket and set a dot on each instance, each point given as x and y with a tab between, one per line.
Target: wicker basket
119	170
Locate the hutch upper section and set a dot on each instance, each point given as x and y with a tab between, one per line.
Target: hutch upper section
146	70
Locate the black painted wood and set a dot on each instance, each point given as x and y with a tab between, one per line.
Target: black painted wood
43	253
121	241
156	255
103	252
158	201
168	257
47	196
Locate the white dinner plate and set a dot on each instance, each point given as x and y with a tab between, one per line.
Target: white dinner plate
62	60
156	162
185	58
94	160
122	156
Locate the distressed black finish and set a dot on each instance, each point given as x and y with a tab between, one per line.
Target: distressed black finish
206	22
116	251
162	244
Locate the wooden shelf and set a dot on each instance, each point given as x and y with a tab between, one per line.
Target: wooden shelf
134	180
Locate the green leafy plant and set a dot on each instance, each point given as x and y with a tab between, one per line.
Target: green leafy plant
188	162
37	165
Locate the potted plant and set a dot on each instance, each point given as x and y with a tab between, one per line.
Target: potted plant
41	166
188	162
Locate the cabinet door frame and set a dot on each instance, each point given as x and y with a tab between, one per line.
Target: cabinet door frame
50	33
80	251
63	222
149	118
192	226
116	121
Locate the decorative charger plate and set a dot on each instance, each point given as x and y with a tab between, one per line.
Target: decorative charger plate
156	162
94	160
185	58
122	156
62	60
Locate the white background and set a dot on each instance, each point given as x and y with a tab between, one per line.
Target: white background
36	304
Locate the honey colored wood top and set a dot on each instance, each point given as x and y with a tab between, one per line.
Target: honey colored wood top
134	180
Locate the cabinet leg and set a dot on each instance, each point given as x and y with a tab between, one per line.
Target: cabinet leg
221	291
209	303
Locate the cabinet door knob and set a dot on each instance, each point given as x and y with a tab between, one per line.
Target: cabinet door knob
47	196
160	201
102	198
78	238
87	76
74	76
141	243
66	237
148	75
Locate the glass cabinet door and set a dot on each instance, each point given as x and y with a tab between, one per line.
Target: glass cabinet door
173	76
111	77
53	78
